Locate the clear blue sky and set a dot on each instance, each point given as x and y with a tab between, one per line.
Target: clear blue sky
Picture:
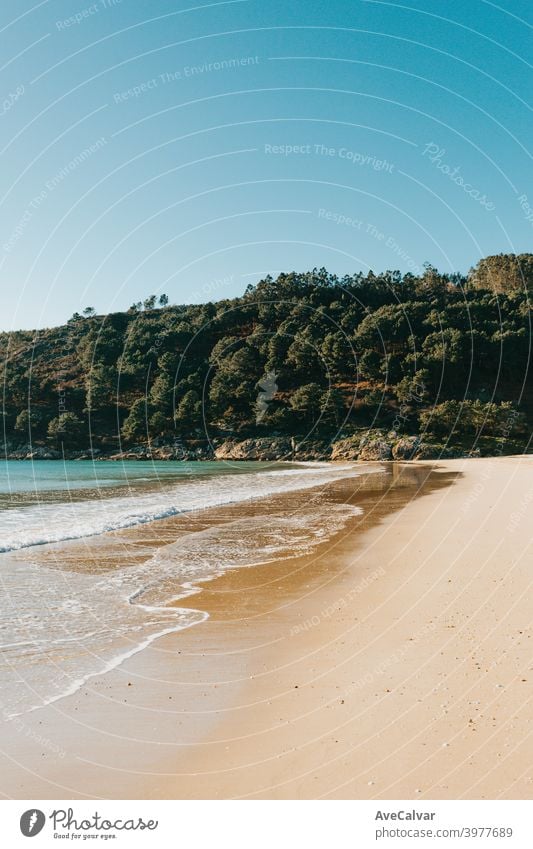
191	148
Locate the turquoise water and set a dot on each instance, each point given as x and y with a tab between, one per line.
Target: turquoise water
49	501
42	476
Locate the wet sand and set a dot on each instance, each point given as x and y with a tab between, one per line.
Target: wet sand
393	662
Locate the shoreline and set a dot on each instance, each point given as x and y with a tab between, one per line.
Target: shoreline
280	693
368	444
430	696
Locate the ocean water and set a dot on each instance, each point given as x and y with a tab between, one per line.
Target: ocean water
63	621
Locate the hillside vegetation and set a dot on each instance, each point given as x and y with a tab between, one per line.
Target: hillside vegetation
308	356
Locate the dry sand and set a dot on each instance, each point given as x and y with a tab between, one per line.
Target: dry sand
396	662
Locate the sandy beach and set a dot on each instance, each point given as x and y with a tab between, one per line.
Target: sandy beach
394	661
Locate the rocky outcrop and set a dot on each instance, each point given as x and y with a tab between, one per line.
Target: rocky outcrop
265	448
29	452
372	445
406	448
375	449
273	448
430	451
314	450
346	449
195	450
40	454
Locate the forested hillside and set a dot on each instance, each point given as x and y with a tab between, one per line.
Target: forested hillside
306	355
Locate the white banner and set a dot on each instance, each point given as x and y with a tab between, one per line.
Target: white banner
268	824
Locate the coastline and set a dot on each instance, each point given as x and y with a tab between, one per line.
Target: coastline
352	674
367	445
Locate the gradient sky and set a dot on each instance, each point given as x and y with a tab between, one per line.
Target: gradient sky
412	124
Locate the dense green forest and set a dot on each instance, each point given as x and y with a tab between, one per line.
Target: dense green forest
306	355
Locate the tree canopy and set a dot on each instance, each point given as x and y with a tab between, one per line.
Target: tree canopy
437	352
